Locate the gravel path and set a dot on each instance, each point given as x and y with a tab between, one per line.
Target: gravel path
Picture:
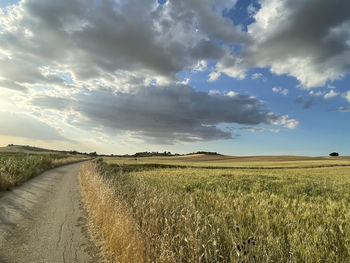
43	220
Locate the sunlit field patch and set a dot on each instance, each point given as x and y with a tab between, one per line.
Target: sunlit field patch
229	215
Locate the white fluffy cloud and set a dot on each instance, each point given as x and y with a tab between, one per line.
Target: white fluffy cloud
232	65
310	46
346	95
289	38
257	76
286	122
330	94
279	90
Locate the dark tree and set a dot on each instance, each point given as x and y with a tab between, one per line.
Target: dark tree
334	154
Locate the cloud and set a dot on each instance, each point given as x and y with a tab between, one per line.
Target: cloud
330	94
346	95
285	37
231	65
232	94
214	92
344	109
279	90
275	130
290	39
23	125
208	15
256	76
115	65
290	124
251	10
201	66
253	129
286	122
164	114
4	83
307	104
316	93
310	46
107	37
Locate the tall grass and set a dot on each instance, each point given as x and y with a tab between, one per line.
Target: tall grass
114	229
16	168
201	215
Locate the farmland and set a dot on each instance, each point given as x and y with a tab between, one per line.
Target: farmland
222	161
18	165
203	208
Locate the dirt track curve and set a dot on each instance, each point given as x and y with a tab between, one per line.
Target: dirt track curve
43	220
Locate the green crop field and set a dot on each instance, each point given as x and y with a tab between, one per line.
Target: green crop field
17	166
220	208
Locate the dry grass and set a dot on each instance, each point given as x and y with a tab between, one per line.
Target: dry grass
110	222
222	215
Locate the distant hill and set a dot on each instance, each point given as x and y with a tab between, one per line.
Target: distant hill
25	148
32	149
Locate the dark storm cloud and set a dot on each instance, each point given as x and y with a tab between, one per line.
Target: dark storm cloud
165	114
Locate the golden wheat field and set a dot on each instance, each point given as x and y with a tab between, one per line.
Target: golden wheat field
220	208
224	161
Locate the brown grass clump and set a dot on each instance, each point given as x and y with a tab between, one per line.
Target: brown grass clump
112	226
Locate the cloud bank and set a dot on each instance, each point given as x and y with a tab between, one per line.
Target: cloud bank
164	114
157	41
308	40
116	63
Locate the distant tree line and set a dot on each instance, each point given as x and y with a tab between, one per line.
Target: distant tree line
150	154
207	153
94	154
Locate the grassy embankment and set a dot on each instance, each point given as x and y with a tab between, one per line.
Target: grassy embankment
18	167
142	213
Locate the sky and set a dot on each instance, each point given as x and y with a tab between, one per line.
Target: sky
239	77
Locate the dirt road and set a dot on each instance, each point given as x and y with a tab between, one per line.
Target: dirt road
43	220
